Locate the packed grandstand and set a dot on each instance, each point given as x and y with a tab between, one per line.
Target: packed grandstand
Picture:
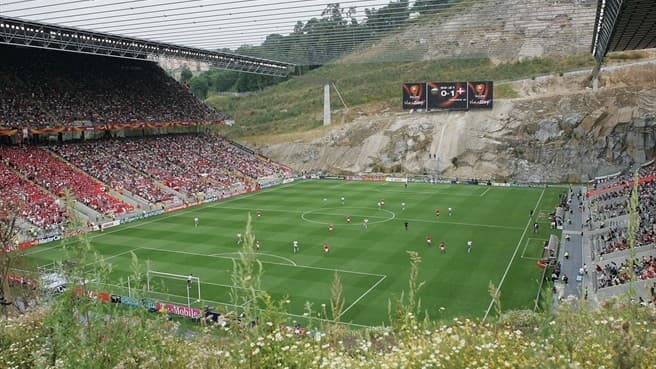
121	135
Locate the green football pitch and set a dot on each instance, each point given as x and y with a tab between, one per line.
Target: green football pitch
372	263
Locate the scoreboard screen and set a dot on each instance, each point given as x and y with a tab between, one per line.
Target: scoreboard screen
480	95
414	96
447	95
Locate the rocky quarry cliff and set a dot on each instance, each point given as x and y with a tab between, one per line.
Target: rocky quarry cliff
558	130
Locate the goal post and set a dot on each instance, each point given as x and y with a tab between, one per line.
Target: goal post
175	283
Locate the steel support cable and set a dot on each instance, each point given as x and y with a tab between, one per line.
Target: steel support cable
263	29
140	20
69	16
50	5
355	38
195	21
84	7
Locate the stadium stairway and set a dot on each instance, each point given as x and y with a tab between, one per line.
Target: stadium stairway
570	265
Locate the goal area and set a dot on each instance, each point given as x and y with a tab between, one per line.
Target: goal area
176	286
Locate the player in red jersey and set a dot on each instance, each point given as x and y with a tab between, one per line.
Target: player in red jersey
326	248
331	227
348	219
429	240
437	213
259	213
442	247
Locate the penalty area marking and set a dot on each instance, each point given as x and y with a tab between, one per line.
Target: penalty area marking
362	296
290	261
319	212
505	273
263	262
528	241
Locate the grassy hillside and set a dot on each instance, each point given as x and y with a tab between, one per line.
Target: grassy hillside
297	105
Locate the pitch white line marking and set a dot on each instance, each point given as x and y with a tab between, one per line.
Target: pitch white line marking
362	296
264	262
484	192
505	273
290	261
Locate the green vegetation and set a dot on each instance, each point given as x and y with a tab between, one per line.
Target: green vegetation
296	105
372	263
627	55
618	336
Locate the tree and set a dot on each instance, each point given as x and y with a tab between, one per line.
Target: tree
199	86
430	6
8	244
185	74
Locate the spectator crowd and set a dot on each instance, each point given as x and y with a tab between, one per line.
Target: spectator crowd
40	88
152	170
609	205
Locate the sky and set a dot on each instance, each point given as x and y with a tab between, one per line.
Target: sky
207	24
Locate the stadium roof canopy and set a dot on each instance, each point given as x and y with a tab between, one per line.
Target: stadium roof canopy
33	34
623	25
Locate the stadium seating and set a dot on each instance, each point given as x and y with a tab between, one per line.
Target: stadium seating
109	169
190	164
609	204
33	204
54	175
50	89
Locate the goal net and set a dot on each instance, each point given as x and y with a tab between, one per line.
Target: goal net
177	288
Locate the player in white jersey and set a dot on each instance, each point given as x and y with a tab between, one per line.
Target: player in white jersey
295	246
196	222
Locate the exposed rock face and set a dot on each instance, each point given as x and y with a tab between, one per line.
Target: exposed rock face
501	30
554	134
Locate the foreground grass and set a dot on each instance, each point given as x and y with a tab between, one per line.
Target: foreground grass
615	337
296	105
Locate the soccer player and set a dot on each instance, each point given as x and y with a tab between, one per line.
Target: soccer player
239	239
348	219
343	200
295	246
325	200
437	213
196	222
429	240
189	278
536	226
403	206
330	227
378	205
442	248
406	226
469	246
259	213
382	202
257	245
326	248
365	223
450	211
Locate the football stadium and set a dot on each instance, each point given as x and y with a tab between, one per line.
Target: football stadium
428	183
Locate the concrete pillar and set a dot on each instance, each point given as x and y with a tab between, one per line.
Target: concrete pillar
326	104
